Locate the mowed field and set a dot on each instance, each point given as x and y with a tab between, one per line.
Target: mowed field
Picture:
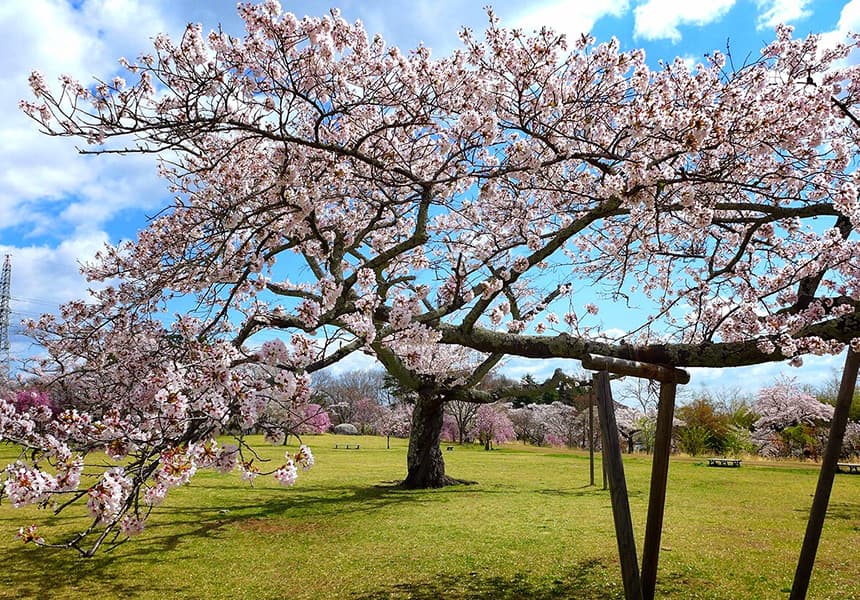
529	527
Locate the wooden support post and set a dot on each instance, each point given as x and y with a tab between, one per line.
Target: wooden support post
657	497
591	435
617	488
825	477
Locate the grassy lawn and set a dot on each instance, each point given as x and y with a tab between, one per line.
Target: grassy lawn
529	528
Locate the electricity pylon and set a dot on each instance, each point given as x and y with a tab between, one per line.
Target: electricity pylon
5	313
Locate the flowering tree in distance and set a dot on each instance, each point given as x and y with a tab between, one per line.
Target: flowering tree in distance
461	201
789	420
493	425
395	421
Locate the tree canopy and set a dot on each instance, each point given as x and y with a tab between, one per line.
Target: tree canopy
335	195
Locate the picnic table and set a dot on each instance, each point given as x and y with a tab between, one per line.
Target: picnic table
719	461
848	467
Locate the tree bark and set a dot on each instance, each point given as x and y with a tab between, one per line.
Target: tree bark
424	462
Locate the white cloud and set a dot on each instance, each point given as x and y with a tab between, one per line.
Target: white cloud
660	19
849	21
572	17
815	371
357	361
541	369
43	277
42	177
849	18
781	11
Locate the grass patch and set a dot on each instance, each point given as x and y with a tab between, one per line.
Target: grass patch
530	528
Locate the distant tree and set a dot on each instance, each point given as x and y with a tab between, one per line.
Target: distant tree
569	390
33	399
827	391
493	425
394	421
704	427
279	421
792	421
851	442
694	439
629	422
528	425
316	419
734	409
648	431
449	431
351	397
561	423
463	416
642	393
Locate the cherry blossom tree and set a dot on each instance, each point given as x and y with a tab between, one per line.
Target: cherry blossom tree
527	426
353	197
629	421
279	422
785	404
493	425
851	444
395	421
27	399
790	420
562	424
153	400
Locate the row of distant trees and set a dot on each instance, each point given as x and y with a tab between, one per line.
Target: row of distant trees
782	420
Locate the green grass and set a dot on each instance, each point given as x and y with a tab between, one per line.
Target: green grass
530	528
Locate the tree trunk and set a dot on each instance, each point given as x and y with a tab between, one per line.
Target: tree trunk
424	462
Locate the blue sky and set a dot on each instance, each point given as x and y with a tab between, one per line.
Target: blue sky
57	208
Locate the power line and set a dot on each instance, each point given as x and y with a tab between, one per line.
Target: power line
23	300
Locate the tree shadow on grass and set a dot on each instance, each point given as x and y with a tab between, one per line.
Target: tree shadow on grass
836	510
270	504
49	573
32	572
587	580
844	510
585	490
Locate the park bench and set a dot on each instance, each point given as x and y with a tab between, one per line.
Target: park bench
848	467
724	462
449	448
347	446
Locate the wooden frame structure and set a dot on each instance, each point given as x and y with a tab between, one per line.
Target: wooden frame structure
637	586
640	585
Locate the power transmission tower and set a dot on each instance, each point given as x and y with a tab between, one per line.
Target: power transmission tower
5	312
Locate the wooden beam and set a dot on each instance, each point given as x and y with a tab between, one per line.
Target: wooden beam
617	488
657	497
805	562
619	366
